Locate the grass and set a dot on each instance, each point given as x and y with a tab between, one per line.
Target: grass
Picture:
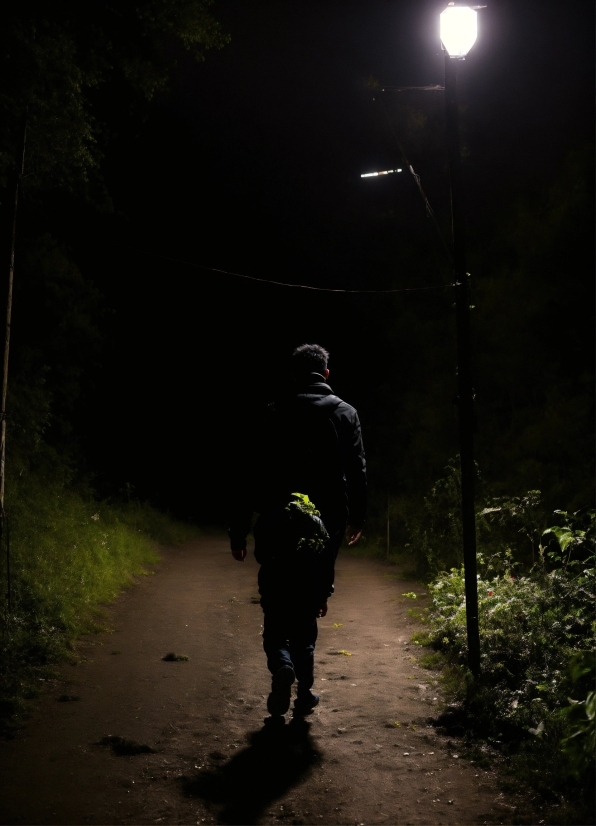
70	556
374	546
433	661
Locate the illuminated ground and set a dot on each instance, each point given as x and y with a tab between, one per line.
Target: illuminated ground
214	759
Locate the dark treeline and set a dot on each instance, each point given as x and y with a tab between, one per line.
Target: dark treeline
139	368
73	80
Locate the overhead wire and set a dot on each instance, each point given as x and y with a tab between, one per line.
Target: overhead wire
429	211
283	283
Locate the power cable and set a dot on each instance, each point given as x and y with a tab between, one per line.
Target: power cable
283	283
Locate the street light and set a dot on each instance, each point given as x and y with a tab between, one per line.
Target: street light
459	29
458	33
376	174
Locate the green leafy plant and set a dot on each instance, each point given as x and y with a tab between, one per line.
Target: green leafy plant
302	503
579	746
503	523
537	646
305	520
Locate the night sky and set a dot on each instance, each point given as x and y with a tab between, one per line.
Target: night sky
251	164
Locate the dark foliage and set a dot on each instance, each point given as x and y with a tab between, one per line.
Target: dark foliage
73	71
534	699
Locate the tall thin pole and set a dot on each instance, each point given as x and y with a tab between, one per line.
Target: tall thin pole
388	525
465	391
12	239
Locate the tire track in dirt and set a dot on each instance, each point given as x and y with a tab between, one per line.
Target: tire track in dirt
214	760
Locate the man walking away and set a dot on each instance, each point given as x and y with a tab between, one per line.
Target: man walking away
309	489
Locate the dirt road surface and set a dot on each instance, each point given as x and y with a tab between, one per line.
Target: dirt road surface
367	755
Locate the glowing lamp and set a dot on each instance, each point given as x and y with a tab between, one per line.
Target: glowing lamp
458	30
376	174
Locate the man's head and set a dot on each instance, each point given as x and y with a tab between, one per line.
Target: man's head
307	359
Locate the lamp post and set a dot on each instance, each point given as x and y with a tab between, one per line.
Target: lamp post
458	34
12	224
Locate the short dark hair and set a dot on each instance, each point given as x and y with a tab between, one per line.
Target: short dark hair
309	358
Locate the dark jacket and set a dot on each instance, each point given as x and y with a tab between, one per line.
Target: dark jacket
308	442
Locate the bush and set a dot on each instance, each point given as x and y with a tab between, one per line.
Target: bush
537	646
579	747
435	529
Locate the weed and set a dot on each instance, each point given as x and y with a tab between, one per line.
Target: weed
432	661
419	614
422	637
454	681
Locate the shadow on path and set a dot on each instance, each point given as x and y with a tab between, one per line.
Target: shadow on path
278	757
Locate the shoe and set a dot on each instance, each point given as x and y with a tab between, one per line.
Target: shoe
278	701
306	705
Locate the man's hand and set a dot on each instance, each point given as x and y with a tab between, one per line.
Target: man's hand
353	535
239	554
323	610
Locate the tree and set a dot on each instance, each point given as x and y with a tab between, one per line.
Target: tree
71	68
70	75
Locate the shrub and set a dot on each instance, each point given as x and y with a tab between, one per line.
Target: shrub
537	646
435	529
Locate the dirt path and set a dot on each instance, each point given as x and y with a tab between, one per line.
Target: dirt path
214	759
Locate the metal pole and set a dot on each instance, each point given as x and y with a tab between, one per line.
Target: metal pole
388	526
465	391
8	318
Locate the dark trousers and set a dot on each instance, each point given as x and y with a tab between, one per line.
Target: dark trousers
289	639
291	603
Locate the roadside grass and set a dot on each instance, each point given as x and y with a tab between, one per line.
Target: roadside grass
69	557
155	524
374	546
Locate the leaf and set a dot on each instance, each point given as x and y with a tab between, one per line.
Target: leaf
344	652
410	595
337	625
564	536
